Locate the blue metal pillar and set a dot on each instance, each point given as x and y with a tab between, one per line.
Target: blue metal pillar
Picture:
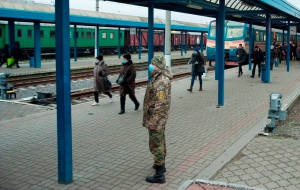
181	46
202	42
164	42
11	34
119	42
283	39
37	45
63	91
217	44
97	39
75	36
150	34
288	53
250	45
268	46
220	50
185	42
140	43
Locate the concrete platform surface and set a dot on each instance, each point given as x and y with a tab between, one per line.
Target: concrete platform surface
110	151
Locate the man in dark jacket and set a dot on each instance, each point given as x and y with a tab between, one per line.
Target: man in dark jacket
257	57
241	57
16	53
5	54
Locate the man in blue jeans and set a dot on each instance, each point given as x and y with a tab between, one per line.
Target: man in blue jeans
257	58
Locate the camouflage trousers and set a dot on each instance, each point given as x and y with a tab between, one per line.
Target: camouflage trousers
157	145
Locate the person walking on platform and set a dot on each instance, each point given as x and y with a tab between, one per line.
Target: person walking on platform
257	57
272	57
241	57
298	53
126	80
5	54
197	69
155	114
101	71
16	53
278	55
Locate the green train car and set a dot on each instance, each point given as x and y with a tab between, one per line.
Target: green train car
24	33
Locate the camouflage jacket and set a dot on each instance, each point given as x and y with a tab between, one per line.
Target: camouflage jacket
157	100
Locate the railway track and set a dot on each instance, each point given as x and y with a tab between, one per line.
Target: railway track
50	78
80	96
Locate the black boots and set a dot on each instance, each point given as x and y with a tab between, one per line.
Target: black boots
190	89
158	177
137	106
122	111
164	168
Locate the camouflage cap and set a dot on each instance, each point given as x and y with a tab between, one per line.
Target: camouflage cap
159	61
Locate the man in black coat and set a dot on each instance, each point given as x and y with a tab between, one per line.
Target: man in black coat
241	57
257	58
5	54
16	53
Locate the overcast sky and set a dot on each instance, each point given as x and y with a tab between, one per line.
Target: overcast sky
111	7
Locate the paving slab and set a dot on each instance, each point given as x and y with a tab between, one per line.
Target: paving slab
110	151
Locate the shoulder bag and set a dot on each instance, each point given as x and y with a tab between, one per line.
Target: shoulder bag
107	84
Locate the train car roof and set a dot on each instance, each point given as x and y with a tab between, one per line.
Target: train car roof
45	9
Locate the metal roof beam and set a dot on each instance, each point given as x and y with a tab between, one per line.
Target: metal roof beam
251	12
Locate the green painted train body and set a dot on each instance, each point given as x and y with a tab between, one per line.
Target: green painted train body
85	36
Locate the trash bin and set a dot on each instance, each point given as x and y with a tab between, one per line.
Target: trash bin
263	73
31	62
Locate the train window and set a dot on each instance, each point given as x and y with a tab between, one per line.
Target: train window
42	33
234	32
112	35
261	36
29	33
19	33
265	37
52	34
0	32
88	35
247	33
104	35
82	35
257	36
212	32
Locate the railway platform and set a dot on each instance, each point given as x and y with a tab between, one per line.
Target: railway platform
110	151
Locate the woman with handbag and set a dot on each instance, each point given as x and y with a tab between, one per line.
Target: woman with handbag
101	71
197	69
126	80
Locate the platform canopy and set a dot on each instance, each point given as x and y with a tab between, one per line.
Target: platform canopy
45	13
237	10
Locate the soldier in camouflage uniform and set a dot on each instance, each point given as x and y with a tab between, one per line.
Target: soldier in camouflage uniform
156	111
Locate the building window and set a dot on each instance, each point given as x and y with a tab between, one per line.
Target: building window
112	35
42	33
29	33
0	32
52	34
261	36
19	33
88	35
103	35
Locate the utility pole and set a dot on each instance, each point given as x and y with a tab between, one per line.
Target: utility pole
96	32
168	39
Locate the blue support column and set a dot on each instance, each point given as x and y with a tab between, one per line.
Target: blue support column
185	42
221	39
119	42
11	34
37	45
63	91
181	46
268	46
164	42
75	36
97	40
217	55
140	43
288	53
250	45
150	34
202	42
